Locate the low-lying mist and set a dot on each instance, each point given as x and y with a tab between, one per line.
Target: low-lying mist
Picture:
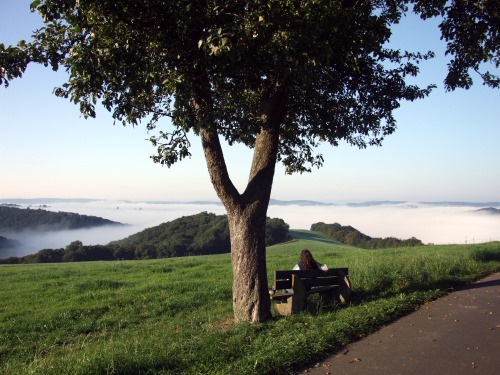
33	241
431	223
428	223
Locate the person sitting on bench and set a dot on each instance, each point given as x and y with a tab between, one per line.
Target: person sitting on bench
307	262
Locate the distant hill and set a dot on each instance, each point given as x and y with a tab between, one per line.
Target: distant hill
203	233
6	243
276	202
16	219
351	236
489	211
273	202
375	203
200	234
461	204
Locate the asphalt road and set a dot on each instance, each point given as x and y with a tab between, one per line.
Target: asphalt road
454	335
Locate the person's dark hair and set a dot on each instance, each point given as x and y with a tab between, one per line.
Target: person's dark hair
307	260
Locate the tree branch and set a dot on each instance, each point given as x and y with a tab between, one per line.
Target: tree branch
217	169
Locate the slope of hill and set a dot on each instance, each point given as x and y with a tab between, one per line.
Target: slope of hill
489	211
204	233
318	237
17	219
6	243
351	236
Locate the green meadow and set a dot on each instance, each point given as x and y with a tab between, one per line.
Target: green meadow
174	315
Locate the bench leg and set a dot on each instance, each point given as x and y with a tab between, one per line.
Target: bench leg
295	303
343	293
299	299
285	308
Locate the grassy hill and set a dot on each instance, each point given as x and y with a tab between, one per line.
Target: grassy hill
174	315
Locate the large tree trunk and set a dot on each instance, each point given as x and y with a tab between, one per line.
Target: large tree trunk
247	214
248	254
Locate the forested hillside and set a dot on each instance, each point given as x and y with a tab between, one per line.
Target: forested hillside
18	219
204	232
201	234
489	210
6	243
353	237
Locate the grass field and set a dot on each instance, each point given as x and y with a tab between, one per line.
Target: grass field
174	316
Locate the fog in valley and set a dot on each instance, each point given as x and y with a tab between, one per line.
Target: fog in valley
429	223
435	223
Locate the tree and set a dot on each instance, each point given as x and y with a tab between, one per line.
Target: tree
279	76
276	231
72	251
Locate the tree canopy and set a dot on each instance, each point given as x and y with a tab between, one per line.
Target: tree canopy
215	64
326	59
279	76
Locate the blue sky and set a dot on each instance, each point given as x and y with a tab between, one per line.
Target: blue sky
445	149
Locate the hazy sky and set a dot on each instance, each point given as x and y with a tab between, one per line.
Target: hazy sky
446	146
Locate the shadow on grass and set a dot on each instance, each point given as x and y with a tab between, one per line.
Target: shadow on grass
486	255
444	286
480	284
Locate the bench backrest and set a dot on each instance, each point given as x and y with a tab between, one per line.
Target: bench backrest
310	278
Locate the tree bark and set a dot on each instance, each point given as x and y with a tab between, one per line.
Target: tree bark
248	257
247	213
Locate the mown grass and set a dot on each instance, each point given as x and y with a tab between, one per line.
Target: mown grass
174	316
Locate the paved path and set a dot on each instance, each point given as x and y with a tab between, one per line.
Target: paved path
454	335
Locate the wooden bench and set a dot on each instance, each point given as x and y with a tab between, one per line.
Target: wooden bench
291	288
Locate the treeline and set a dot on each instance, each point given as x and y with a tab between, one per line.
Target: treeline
205	233
489	210
6	243
18	219
351	236
200	234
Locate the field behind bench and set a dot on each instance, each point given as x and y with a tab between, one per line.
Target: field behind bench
174	316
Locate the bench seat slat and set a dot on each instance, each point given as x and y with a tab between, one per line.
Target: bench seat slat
309	284
323	281
287	274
